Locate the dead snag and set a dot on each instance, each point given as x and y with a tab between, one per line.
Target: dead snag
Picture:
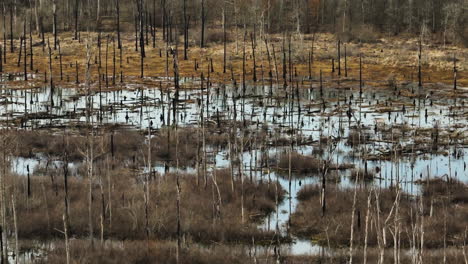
25	53
55	29
360	74
203	21
117	22
12	45
60	59
76	67
419	64
454	72
339	57
224	38
252	37
345	61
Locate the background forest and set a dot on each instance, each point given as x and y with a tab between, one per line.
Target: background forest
350	19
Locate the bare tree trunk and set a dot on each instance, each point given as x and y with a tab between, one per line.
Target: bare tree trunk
185	29
117	7
15	222
12	47
55	29
76	11
455	72
465	257
224	37
203	21
419	64
37	17
367	227
31	63
67	242
353	212
89	155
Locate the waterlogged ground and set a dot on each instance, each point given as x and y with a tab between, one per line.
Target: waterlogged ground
407	133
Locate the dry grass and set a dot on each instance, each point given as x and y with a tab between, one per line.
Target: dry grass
133	252
334	227
453	255
302	164
37	218
380	60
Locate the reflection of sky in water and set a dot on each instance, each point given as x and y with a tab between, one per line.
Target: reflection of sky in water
136	106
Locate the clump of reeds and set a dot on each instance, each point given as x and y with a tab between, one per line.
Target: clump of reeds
300	163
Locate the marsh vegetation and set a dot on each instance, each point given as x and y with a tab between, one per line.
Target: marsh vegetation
224	132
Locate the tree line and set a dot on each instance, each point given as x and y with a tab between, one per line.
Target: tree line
345	17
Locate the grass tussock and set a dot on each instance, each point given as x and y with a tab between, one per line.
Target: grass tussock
302	164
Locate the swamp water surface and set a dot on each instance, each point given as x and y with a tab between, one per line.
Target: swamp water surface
388	119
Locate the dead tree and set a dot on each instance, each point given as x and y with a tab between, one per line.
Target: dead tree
203	21
321	84
117	22
419	64
107	62
454	72
15	224
185	29
76	12
113	61
142	39
4	33
224	38
55	29
25	53
89	152
345	61
252	37
60	61
360	74
51	76
339	57
12	45
31	63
